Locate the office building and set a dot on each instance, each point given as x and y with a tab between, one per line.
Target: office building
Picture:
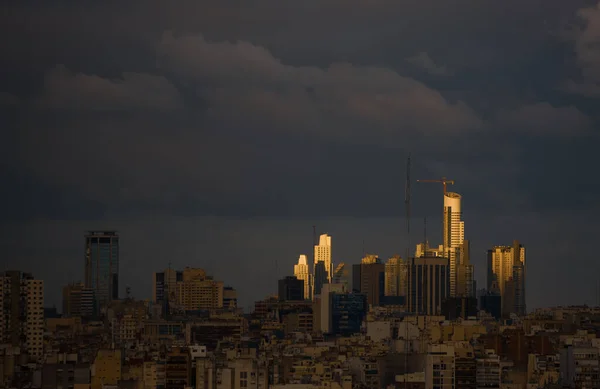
506	271
369	278
102	266
323	254
454	234
291	289
302	272
340	312
428	285
22	312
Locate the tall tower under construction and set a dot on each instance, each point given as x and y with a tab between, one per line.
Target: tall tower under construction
454	235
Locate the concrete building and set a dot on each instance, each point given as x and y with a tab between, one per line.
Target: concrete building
197	291
302	272
439	367
22	312
489	370
102	266
580	366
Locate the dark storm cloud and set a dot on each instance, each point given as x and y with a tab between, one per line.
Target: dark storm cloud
144	115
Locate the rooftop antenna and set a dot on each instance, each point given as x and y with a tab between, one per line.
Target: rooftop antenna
425	235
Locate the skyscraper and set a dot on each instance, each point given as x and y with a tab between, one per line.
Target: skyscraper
428	285
22	311
323	254
454	234
465	272
506	270
102	265
302	272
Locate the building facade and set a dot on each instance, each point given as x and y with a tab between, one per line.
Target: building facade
507	272
428	285
302	272
454	234
323	254
102	266
22	312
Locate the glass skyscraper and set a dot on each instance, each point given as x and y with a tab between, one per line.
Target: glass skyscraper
102	266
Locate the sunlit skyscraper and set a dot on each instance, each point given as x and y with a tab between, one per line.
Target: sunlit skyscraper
102	265
302	272
323	254
506	271
454	234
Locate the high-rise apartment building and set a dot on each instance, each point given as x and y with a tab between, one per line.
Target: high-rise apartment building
22	312
454	234
506	271
302	272
198	291
395	276
323	254
102	266
465	282
428	285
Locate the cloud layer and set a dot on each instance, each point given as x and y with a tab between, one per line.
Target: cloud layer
266	116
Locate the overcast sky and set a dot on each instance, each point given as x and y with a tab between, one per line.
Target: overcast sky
217	133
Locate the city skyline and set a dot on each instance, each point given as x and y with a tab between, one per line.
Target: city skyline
219	145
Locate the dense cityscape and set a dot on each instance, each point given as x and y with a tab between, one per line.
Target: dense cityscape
412	321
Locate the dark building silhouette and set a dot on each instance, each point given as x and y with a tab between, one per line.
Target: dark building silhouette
291	289
491	302
348	311
368	278
463	307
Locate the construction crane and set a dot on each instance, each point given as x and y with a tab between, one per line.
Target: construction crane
443	180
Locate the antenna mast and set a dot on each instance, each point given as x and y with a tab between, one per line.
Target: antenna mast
425	235
407	212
